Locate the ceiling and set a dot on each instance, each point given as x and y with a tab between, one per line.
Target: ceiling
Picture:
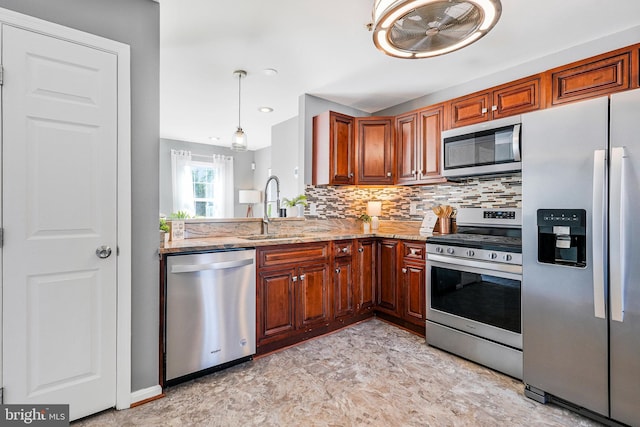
323	48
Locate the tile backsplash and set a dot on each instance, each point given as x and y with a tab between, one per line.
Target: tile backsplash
343	202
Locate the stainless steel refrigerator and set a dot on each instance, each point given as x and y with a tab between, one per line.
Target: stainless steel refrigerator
581	256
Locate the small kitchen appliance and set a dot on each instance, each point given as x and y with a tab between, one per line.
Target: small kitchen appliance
473	289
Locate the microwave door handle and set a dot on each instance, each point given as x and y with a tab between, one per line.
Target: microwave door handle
515	141
599	215
618	225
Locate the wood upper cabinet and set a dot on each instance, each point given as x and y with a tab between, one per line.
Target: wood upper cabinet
413	282
366	279
388	292
512	98
334	154
375	161
590	78
418	146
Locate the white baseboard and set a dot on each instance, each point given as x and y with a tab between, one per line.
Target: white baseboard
145	393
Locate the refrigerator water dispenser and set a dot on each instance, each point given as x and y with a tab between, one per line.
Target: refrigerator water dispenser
562	237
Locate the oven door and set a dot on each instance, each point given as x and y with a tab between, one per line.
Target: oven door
473	297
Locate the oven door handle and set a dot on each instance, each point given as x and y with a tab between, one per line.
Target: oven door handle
489	268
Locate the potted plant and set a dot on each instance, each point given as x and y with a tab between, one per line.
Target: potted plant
164	231
300	201
366	222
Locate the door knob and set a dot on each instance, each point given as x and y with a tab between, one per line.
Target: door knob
103	251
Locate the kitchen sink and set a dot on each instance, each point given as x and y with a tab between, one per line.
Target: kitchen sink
273	236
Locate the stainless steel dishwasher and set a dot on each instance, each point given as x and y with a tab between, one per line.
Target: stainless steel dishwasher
210	317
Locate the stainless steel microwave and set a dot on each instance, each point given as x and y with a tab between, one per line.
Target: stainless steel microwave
483	149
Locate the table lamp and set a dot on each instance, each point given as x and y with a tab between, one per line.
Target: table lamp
249	197
373	210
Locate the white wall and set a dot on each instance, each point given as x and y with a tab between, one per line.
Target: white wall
285	158
136	23
261	174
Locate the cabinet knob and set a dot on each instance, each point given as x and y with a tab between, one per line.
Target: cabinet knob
494	107
388	173
413	172
338	270
360	249
484	111
404	270
302	277
345	250
294	279
351	175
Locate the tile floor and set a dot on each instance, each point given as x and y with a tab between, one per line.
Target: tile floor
370	374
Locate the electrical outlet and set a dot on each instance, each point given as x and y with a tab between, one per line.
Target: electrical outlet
413	208
312	209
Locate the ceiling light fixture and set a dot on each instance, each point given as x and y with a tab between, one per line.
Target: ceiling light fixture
239	138
265	109
423	28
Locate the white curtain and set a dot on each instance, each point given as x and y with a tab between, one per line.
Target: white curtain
223	186
182	181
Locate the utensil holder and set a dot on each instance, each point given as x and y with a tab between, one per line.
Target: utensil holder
445	225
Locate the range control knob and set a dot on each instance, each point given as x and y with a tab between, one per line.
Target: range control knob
439	250
507	257
493	255
450	251
470	253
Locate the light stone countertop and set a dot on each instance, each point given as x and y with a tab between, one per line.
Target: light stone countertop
224	242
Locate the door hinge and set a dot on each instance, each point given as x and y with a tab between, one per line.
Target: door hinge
1	395
1	75
1	241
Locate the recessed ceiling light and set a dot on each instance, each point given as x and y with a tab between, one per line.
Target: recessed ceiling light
265	109
270	71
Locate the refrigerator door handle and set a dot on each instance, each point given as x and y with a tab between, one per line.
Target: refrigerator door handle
599	231
618	242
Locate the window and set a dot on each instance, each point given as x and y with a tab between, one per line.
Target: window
203	177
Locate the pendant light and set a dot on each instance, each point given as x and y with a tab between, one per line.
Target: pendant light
239	138
415	29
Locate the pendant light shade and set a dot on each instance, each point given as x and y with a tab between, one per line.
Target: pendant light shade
239	138
423	28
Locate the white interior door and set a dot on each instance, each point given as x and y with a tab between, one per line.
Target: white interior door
59	192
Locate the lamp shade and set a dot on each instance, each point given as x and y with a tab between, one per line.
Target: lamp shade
249	196
374	208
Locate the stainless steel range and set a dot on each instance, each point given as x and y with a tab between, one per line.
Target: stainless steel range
474	280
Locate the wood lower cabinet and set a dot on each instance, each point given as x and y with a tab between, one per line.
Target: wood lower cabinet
366	278
343	280
388	293
413	282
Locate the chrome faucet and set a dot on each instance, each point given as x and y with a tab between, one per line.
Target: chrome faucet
265	217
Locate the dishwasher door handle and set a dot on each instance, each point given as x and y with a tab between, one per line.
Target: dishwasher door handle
211	266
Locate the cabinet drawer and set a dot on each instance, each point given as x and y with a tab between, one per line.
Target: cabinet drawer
288	254
342	248
413	250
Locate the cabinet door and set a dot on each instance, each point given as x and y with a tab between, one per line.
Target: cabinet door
343	300
312	288
597	76
375	150
342	155
516	98
275	303
387	292
413	290
430	123
366	274
469	110
406	149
